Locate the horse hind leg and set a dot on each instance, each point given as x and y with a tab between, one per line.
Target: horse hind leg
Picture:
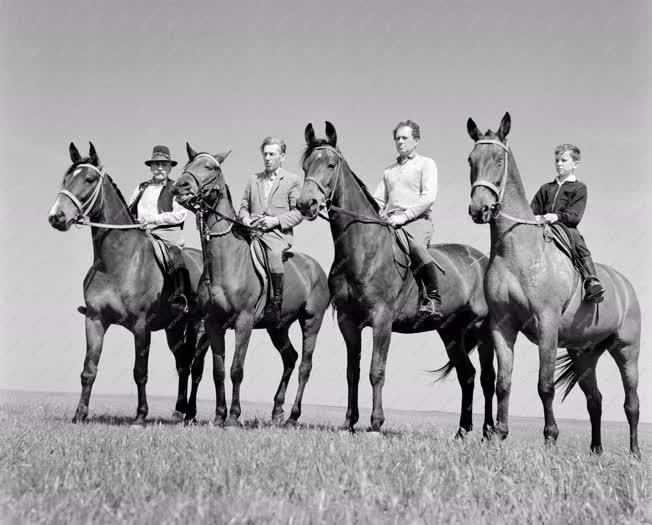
583	362
626	356
197	370
181	342
281	341
458	340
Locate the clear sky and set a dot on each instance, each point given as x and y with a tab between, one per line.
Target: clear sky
128	75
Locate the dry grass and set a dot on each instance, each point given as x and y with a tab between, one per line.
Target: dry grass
106	472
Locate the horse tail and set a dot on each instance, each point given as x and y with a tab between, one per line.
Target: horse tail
566	373
444	371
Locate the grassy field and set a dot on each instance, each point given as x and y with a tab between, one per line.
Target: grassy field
107	472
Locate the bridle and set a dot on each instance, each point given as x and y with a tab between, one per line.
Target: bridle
203	208
85	208
328	195
499	190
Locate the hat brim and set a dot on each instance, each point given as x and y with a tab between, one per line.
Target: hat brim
173	163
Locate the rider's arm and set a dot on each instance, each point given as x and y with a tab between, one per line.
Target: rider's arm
538	203
176	216
292	217
244	202
381	195
574	210
428	194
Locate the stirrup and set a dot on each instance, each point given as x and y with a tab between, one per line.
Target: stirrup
593	290
430	307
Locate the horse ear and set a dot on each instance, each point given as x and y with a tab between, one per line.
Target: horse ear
221	157
309	134
93	154
74	153
191	152
331	134
505	125
473	130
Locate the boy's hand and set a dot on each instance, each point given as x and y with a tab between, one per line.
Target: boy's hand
266	222
550	218
397	220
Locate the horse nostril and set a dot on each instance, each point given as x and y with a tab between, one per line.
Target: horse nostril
485	209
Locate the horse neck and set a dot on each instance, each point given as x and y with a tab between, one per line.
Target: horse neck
349	234
113	247
224	255
509	237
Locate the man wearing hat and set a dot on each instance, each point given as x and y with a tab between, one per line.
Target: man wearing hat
152	205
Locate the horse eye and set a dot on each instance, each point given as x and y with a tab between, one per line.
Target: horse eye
331	165
89	179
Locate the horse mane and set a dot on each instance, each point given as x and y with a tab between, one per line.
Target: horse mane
325	142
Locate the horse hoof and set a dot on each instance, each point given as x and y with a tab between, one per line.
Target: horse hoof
190	422
278	418
488	433
596	449
178	416
635	452
461	433
373	431
232	422
550	442
291	423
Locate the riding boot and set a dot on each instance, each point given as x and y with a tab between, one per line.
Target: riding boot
276	305
179	281
593	289
431	304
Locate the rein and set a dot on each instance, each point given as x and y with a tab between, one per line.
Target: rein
328	202
499	190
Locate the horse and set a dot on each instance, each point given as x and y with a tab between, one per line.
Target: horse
533	288
230	290
372	287
125	285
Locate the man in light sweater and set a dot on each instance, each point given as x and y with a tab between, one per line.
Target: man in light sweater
405	195
152	204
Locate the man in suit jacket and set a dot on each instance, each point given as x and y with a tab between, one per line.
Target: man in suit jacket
269	202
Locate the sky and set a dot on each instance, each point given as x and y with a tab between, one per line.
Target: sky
129	75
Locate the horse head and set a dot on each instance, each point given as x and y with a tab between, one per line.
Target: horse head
201	179
321	160
488	161
81	186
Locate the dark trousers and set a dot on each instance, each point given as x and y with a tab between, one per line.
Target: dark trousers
580	244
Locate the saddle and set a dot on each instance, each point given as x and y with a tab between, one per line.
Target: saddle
169	258
559	234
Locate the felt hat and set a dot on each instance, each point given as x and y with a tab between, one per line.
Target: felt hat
161	154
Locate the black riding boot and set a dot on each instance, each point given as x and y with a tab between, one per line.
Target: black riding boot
593	289
180	282
276	305
431	304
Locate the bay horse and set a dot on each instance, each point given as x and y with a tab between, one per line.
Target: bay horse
532	287
125	285
369	287
230	290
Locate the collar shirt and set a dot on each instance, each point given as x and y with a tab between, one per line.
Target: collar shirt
148	207
570	178
408	186
268	182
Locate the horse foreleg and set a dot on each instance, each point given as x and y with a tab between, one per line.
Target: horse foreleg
197	371
181	341
548	340
487	379
382	335
503	337
95	330
282	343
352	337
309	328
216	336
142	342
243	327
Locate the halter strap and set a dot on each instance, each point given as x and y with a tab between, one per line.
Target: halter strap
85	208
500	189
328	197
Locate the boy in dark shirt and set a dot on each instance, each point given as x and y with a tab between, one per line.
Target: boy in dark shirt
564	200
